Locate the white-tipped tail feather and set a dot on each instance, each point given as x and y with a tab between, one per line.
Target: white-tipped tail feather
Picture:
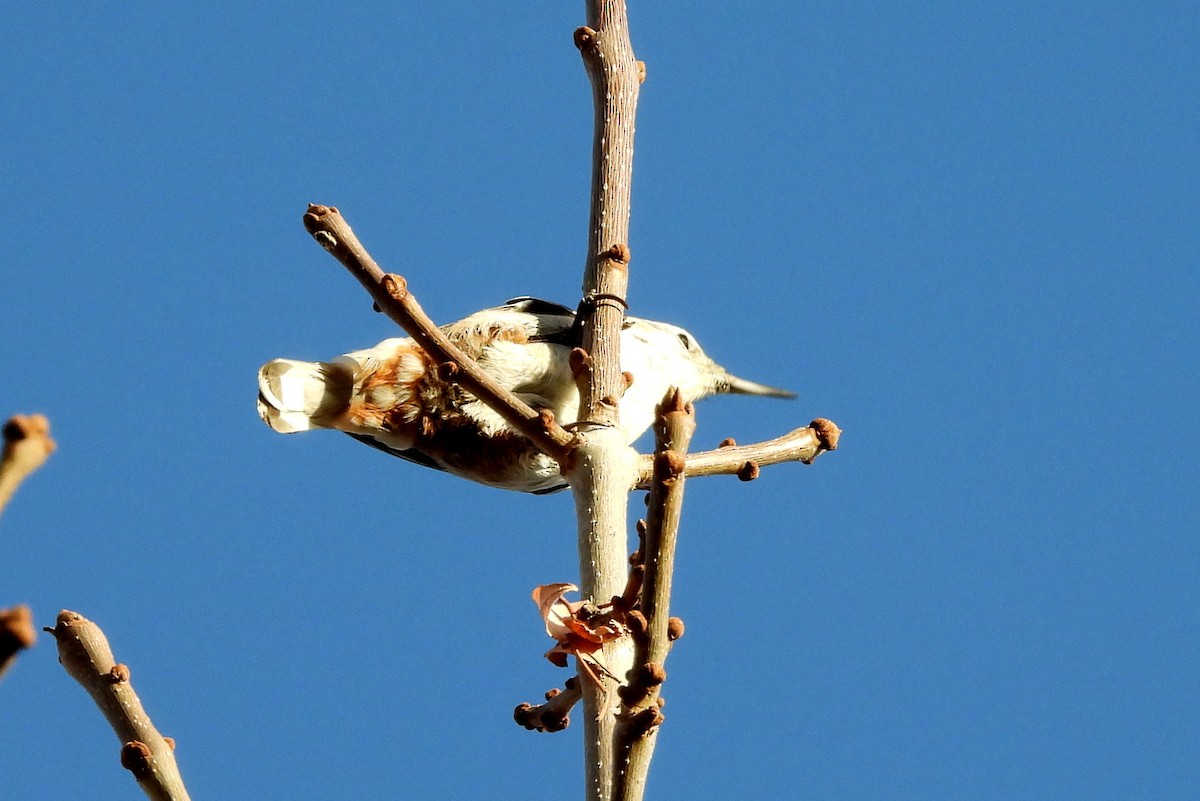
299	396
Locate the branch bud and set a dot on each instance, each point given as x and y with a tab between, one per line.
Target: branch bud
749	471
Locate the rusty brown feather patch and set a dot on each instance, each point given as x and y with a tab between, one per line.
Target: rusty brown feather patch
429	411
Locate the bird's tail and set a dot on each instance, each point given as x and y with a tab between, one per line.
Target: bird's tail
299	396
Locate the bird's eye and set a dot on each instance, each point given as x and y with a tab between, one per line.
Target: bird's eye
686	340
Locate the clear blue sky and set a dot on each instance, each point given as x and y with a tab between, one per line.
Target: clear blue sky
967	232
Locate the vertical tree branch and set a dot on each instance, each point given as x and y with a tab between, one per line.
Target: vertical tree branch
638	731
608	58
603	467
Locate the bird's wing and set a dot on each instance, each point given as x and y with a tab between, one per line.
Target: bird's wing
411	454
555	322
417	457
533	305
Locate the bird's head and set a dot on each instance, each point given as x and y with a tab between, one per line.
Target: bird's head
678	359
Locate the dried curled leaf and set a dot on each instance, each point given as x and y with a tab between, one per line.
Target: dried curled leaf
580	629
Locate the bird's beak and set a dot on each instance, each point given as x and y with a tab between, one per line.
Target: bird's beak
740	386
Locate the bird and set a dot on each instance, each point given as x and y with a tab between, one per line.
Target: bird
394	398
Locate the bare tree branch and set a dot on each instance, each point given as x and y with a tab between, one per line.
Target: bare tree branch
84	652
552	715
392	297
615	77
27	445
595	459
641	717
801	445
602	468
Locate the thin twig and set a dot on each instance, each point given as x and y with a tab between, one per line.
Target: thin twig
27	444
641	716
392	297
554	714
802	445
84	652
673	435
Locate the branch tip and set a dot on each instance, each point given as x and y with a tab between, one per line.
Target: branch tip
21	426
16	625
68	618
315	216
673	403
553	715
827	432
16	633
27	446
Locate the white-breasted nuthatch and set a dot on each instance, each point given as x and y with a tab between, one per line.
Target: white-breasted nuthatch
393	397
